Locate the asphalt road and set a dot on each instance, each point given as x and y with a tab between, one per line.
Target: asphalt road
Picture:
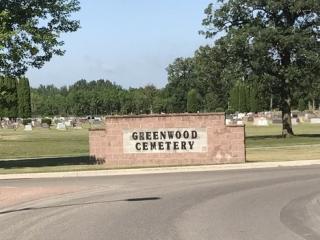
269	204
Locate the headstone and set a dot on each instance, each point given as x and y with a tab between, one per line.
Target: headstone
250	119
309	116
241	115
239	122
315	120
28	127
229	122
294	121
61	126
68	123
277	120
260	121
268	115
301	119
44	125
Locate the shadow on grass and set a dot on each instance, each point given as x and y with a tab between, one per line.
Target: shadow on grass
50	162
264	137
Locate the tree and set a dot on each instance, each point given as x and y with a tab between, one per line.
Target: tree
276	42
30	32
239	97
253	98
8	97
24	98
211	102
213	78
181	79
193	101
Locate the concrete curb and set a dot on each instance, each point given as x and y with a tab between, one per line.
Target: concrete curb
158	170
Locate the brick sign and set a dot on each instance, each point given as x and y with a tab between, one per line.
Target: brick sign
167	140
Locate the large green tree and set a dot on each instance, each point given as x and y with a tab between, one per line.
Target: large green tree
181	79
30	32
275	42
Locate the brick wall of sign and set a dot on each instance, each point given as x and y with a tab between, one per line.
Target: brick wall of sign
167	140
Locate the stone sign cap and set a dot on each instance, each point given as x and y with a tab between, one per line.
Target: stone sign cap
165	115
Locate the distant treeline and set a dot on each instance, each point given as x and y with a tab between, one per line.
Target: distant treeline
185	92
197	84
102	97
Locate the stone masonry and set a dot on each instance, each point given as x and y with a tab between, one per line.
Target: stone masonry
167	140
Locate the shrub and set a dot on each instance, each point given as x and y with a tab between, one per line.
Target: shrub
219	109
46	120
26	121
230	111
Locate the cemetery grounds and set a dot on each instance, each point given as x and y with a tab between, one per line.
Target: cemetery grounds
46	150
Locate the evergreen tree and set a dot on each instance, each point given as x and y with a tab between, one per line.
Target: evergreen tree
243	91
253	101
24	99
234	98
8	97
301	105
239	97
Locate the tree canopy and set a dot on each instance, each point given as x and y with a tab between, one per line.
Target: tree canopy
30	32
276	43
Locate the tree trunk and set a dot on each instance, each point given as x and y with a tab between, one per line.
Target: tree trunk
286	118
286	93
271	103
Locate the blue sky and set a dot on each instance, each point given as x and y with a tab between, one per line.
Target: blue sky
129	42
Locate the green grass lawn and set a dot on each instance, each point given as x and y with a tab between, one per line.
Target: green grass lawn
43	143
266	143
68	150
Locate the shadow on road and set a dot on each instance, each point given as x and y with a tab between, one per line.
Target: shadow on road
49	162
81	204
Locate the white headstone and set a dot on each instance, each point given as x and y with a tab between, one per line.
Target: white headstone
61	126
315	120
239	122
261	121
229	122
68	123
241	115
294	121
28	127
